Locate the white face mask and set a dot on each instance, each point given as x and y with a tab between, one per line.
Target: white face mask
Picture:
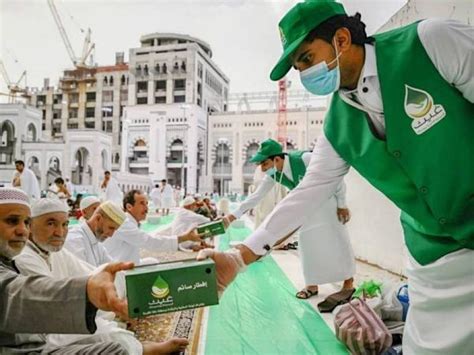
270	172
319	80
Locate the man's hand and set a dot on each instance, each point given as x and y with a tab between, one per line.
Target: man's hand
101	290
191	235
343	215
228	220
228	265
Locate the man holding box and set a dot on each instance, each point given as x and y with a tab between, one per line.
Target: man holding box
325	248
402	116
44	255
40	304
128	239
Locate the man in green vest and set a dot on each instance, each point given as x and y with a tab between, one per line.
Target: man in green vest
325	249
402	115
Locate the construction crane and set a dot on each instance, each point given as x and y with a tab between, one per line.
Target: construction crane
282	123
14	88
88	47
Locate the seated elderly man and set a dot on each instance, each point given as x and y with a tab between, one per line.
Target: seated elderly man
127	241
39	304
186	218
85	240
44	255
88	206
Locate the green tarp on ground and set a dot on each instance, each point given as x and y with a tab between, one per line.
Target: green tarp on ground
259	314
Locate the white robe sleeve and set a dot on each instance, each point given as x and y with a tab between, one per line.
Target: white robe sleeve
341	195
132	235
450	46
253	200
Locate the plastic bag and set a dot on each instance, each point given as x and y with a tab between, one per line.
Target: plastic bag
392	309
359	327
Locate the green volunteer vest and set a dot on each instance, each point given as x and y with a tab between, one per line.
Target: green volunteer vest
426	164
298	169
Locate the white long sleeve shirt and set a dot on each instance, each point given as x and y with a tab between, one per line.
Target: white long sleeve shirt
450	46
268	183
82	242
126	242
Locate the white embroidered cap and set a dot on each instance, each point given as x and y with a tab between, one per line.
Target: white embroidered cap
11	195
47	205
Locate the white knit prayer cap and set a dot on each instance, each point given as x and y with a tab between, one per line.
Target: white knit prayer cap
113	211
88	201
47	205
189	200
11	195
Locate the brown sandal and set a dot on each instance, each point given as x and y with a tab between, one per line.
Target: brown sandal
306	293
336	299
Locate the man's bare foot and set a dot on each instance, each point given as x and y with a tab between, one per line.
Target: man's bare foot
348	284
166	347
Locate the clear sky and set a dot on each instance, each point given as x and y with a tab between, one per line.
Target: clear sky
243	34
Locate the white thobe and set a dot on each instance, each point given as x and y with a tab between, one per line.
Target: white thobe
82	242
126	242
185	220
155	196
63	264
113	193
167	197
29	184
440	39
325	248
269	201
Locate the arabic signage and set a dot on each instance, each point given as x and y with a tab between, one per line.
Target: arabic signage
171	287
211	229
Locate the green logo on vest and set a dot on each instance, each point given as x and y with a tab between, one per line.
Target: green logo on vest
160	288
420	107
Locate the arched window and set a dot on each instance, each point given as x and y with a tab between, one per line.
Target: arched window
31	133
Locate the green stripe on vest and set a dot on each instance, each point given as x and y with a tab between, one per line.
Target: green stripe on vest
298	169
426	164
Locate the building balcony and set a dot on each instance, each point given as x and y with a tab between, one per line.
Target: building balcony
142	93
222	169
90	104
139	162
89	119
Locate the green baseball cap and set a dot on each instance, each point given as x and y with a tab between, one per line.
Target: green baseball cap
297	24
267	149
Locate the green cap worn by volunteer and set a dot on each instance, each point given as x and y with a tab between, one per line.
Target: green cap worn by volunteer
267	149
270	148
297	24
425	164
